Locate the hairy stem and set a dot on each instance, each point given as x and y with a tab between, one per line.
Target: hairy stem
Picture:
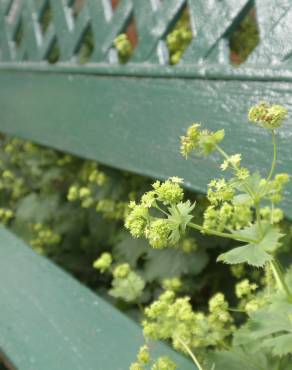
279	277
160	209
226	156
192	355
223	235
274	156
258	217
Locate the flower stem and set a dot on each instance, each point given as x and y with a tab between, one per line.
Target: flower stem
192	355
274	156
223	235
279	277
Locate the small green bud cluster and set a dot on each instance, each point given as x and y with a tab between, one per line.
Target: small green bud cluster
244	288
166	231
81	193
268	116
164	363
103	263
86	191
204	142
179	39
124	47
173	284
144	359
43	236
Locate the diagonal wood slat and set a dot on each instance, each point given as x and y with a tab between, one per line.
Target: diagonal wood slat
212	22
275	25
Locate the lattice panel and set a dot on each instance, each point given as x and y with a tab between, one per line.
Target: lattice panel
56	30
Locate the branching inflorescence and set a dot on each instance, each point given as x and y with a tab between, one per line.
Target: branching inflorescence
242	207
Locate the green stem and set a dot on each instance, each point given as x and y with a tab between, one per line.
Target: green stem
279	277
223	235
226	156
160	209
192	355
274	156
258	216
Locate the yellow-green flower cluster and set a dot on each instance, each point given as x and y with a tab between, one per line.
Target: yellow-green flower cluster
273	215
203	142
123	46
137	219
164	363
122	271
173	318
227	216
232	161
81	193
144	358
268	116
5	215
173	284
126	284
168	192
91	178
273	189
177	41
43	236
103	263
164	231
158	232
244	288
12	184
219	190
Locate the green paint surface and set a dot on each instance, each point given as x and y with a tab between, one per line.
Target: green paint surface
49	321
135	123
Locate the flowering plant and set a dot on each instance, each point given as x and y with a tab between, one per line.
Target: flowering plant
244	208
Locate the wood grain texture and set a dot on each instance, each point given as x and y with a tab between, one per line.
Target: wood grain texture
135	123
49	321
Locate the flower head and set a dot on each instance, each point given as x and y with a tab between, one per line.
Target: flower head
268	116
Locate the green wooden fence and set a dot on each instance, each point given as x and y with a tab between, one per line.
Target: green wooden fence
128	116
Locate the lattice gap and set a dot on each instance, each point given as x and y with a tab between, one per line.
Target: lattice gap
179	36
244	38
86	46
77	6
54	52
19	33
46	17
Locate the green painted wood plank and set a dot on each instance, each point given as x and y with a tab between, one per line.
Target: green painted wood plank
135	123
49	321
270	73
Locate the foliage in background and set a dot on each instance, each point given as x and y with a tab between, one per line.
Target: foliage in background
244	39
72	210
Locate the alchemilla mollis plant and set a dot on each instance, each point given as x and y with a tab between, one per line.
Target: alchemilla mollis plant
244	206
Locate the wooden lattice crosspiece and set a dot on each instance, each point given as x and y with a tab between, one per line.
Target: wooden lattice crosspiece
23	37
